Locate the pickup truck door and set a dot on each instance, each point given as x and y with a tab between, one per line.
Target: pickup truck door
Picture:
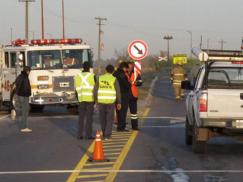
191	98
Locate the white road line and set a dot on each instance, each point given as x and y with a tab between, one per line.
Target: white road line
116	171
170	126
164	117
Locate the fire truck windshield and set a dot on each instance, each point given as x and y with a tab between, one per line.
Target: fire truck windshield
57	59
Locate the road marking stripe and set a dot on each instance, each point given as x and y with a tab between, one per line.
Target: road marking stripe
116	171
164	117
92	176
124	152
113	146
112	143
171	126
113	153
74	175
113	150
99	164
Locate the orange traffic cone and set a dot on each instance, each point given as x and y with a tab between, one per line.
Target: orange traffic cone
98	155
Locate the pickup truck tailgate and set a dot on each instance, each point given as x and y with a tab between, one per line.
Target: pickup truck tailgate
225	103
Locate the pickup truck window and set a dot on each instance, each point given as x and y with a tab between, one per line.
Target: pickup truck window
225	78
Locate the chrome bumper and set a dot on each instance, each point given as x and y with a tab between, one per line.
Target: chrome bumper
48	100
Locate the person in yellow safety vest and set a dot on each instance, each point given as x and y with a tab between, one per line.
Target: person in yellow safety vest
84	86
178	74
107	95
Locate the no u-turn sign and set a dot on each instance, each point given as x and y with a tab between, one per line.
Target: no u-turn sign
138	50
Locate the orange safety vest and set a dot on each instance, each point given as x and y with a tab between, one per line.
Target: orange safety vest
133	86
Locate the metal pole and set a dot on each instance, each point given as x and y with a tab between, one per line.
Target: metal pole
42	21
11	35
168	38
63	25
26	18
27	22
99	41
190	32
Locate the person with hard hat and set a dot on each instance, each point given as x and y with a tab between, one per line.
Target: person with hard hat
122	76
107	96
84	86
178	74
136	81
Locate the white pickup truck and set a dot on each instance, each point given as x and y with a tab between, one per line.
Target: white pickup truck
214	105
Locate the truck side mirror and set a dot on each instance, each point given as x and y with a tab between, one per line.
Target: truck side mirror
186	85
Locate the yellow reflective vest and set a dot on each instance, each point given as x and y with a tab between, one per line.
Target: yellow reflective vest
106	90
84	86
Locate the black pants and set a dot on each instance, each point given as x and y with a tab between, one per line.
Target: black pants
133	110
106	112
86	110
122	114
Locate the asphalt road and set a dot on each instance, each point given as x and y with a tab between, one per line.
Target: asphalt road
159	153
160	146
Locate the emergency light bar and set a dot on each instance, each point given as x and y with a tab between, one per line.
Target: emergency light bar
218	55
55	41
19	42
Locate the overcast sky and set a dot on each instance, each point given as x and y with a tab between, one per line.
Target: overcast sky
149	20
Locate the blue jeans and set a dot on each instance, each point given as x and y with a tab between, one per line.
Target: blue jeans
22	111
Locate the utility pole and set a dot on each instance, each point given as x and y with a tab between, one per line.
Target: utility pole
99	40
190	32
222	42
168	38
11	35
201	40
63	21
26	18
42	21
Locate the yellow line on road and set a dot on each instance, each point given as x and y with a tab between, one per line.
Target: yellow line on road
121	158
99	164
118	160
80	165
92	176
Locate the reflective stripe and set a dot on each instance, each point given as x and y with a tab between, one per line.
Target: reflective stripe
106	97
85	87
106	92
134	117
85	93
179	74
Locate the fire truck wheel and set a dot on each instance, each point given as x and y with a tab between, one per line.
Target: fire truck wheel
72	109
36	108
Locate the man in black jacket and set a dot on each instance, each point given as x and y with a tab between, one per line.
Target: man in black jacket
122	76
23	92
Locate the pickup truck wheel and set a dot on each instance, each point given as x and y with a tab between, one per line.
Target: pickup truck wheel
188	133
197	146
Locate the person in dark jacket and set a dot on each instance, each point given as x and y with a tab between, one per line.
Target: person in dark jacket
23	92
122	76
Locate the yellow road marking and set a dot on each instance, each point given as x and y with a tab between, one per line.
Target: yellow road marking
92	176
99	163
114	143
80	165
113	150
113	146
121	158
118	160
113	153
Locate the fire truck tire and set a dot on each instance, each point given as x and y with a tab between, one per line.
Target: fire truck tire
36	108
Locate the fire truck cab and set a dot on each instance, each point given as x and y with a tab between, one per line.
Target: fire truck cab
54	64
